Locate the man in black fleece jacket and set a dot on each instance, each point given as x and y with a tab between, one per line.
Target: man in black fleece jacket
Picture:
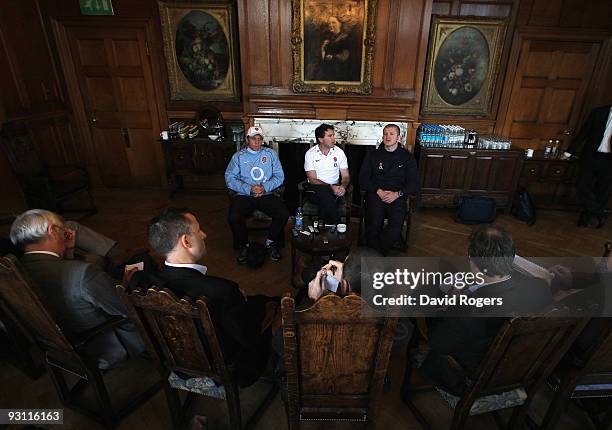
388	175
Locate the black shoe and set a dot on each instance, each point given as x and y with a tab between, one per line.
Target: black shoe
242	254
601	220
583	219
275	254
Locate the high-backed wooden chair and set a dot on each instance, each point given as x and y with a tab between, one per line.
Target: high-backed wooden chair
62	354
402	244
335	359
46	187
580	382
523	354
171	330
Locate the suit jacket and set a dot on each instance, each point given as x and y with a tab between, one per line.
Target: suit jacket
587	141
235	322
81	296
467	339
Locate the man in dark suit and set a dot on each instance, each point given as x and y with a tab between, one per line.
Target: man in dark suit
81	295
457	344
176	235
592	146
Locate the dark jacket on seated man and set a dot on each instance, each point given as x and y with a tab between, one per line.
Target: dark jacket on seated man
457	344
176	234
237	320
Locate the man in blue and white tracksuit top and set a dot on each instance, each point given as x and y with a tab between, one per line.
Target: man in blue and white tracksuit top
253	174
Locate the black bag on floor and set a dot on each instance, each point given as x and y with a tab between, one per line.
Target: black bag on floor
523	208
256	255
476	210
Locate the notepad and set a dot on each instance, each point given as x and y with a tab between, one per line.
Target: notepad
532	269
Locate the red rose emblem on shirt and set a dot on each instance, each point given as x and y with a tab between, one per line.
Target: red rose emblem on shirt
264	159
335	159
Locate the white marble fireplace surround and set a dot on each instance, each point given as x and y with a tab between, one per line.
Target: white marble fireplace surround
358	132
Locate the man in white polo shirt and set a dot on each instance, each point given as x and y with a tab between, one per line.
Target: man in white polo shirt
327	171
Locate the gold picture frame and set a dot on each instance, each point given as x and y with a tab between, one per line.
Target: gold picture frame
462	65
199	46
333	46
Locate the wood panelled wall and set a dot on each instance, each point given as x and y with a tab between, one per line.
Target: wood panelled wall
33	87
402	29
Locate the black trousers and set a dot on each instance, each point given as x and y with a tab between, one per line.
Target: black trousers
324	197
242	207
593	184
379	238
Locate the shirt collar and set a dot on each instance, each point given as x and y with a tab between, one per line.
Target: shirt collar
332	149
253	152
42	252
199	267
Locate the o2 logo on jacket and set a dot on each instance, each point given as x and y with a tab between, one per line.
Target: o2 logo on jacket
257	173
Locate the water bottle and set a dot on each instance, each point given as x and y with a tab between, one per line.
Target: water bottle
299	219
548	149
556	148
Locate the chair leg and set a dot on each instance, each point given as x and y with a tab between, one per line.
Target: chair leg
518	414
60	384
460	417
233	406
106	409
174	405
408	222
557	406
417	414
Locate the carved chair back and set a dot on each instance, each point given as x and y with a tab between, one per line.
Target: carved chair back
336	359
171	329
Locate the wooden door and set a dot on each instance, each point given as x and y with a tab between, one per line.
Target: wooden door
113	71
548	90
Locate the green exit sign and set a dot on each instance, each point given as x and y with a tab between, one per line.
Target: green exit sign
96	7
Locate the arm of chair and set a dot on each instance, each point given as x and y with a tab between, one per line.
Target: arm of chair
82	338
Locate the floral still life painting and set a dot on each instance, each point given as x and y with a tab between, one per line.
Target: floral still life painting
199	50
462	66
202	50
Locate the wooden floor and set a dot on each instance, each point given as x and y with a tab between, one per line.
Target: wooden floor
124	216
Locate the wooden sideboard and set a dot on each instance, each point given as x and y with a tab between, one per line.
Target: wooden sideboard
197	164
550	182
448	174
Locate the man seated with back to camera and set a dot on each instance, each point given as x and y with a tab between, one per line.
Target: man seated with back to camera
176	235
80	293
340	278
456	345
325	164
335	277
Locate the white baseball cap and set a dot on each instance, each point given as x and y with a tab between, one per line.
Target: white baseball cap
255	130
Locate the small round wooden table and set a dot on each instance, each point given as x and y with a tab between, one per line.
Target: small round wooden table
323	243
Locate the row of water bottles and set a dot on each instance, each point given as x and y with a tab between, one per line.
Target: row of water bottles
441	136
493	141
